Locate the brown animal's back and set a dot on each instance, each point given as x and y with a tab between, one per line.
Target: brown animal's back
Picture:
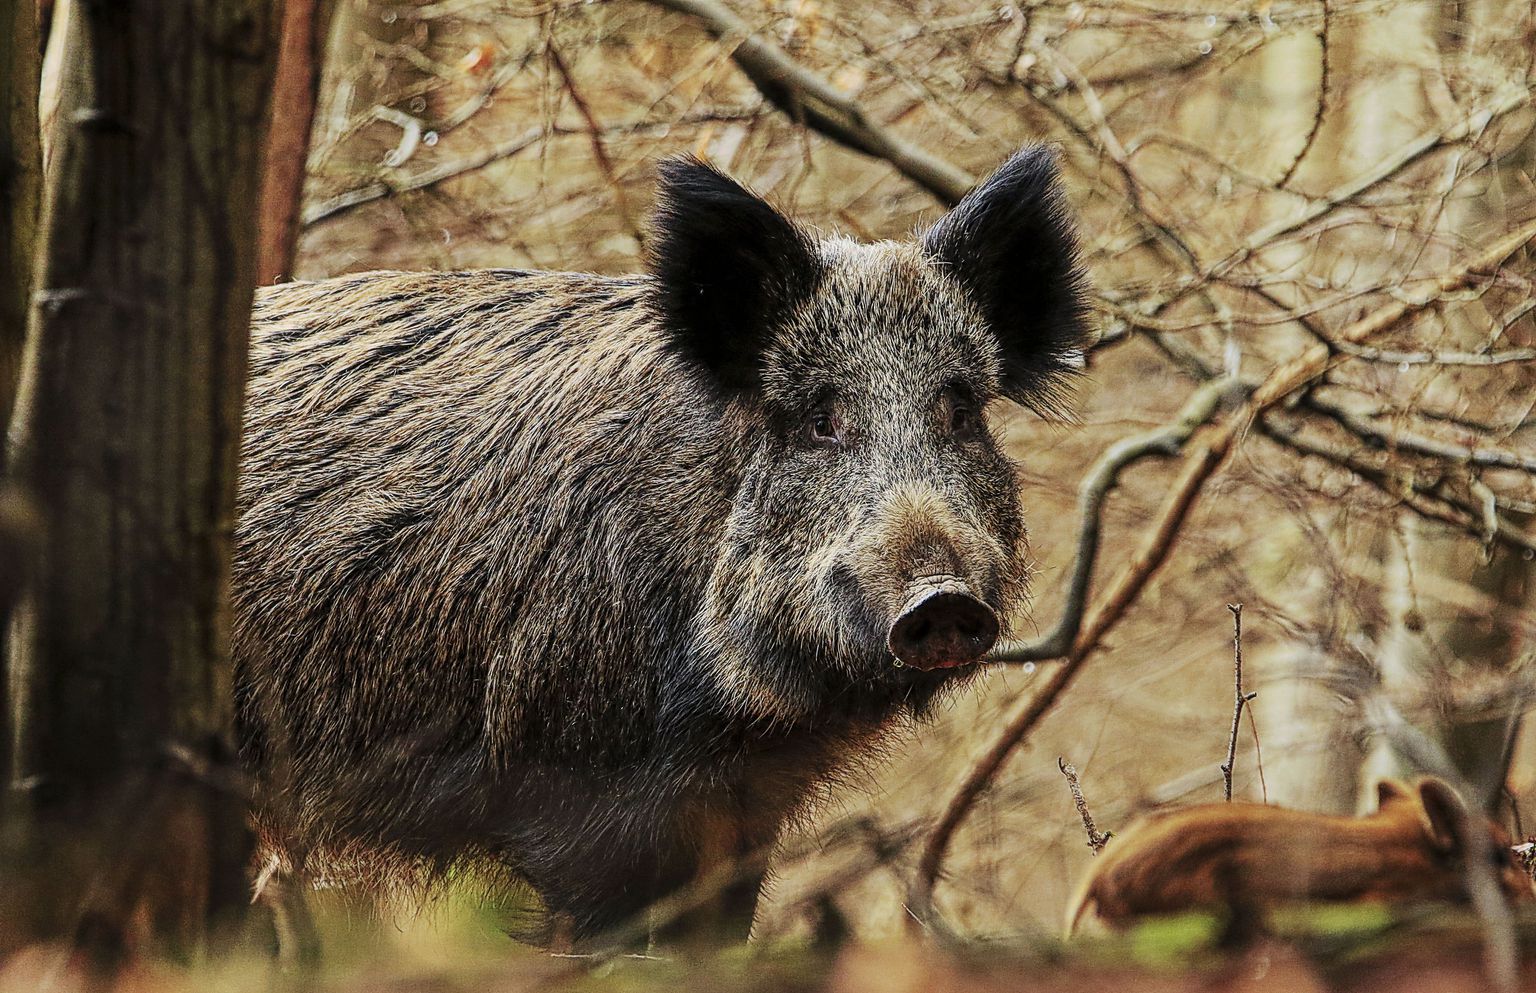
1259	856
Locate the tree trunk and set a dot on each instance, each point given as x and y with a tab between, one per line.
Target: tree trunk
21	185
295	95
20	199
127	431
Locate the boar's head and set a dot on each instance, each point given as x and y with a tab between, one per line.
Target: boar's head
875	544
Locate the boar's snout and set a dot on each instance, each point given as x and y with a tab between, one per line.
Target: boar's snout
942	626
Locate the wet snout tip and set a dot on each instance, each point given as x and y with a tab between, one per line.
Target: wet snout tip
942	626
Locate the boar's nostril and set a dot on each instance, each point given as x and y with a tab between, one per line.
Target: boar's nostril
942	628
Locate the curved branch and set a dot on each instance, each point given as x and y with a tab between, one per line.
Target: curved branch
1315	360
1322	101
1105	474
809	98
1281	382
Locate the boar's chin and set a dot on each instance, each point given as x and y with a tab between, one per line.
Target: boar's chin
794	680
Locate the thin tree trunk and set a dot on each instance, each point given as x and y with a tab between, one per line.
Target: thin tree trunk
295	95
21	184
127	431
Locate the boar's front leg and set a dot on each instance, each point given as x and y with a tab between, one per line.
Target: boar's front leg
603	851
624	874
716	888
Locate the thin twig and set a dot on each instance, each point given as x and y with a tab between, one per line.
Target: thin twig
595	132
383	187
1258	752
1316	125
1316	360
1503	102
1400	485
1239	700
1096	841
1373	433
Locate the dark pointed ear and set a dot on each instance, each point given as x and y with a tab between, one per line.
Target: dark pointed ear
725	268
1010	243
1444	814
1390	791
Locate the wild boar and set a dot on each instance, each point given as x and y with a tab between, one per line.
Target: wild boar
1248	857
604	579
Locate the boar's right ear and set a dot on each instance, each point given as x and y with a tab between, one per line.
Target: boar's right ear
1010	243
726	268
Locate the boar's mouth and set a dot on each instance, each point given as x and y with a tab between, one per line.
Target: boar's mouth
943	625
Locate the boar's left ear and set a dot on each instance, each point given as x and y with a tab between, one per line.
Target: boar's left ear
1010	243
726	267
1391	791
1444	814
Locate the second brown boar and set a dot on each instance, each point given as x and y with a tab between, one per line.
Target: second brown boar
1255	857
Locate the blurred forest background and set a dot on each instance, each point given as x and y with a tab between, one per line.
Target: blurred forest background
1321	207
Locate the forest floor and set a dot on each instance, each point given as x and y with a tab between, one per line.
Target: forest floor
1356	951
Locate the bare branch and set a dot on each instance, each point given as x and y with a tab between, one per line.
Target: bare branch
1239	699
1322	100
1408	441
809	98
1505	102
1275	388
1312	363
595	130
1101	479
1400	486
1503	357
1096	841
505	149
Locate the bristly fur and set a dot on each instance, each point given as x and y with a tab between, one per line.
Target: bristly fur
547	570
1011	242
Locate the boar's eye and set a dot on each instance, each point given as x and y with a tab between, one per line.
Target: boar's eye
822	429
962	422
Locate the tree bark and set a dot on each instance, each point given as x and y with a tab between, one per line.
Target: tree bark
21	184
295	95
127	431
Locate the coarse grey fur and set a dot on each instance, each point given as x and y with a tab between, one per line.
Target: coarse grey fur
593	577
